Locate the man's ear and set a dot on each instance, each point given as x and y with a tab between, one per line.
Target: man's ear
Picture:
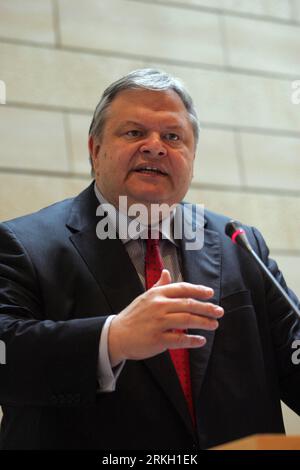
94	146
90	144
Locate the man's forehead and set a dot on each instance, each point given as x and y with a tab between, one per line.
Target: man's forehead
141	105
158	100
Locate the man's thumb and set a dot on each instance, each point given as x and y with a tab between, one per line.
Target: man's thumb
165	278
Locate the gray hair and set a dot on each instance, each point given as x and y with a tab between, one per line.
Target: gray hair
146	79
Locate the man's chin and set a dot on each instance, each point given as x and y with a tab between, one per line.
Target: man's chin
148	199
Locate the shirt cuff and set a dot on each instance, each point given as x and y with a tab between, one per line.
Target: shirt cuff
107	376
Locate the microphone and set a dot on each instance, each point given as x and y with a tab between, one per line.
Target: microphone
235	231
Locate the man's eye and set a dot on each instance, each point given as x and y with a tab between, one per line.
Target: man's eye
134	133
173	137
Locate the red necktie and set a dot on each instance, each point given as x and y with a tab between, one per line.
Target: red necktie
180	357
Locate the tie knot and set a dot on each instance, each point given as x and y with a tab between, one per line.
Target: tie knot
153	238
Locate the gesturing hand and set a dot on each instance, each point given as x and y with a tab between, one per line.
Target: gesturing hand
149	325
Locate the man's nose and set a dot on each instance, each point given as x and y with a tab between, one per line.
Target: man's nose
153	146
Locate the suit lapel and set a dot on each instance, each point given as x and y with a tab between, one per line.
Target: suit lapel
106	259
202	266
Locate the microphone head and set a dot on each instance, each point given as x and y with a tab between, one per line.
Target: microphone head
232	227
235	231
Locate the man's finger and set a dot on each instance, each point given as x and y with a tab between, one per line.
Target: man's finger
195	307
184	321
185	289
165	278
181	340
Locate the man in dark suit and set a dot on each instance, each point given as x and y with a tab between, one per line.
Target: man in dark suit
90	359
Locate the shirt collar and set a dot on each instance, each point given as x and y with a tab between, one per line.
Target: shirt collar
165	228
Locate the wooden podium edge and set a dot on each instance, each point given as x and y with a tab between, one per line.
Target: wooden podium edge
263	442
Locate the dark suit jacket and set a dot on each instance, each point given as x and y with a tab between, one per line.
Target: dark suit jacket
58	284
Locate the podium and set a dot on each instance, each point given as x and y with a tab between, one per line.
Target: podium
263	442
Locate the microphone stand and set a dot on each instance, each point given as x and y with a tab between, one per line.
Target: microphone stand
237	234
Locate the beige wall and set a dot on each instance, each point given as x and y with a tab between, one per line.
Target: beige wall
237	57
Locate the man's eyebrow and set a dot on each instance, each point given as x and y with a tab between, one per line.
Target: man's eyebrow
135	123
175	126
131	123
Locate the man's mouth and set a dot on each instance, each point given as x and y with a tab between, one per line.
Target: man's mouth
150	170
